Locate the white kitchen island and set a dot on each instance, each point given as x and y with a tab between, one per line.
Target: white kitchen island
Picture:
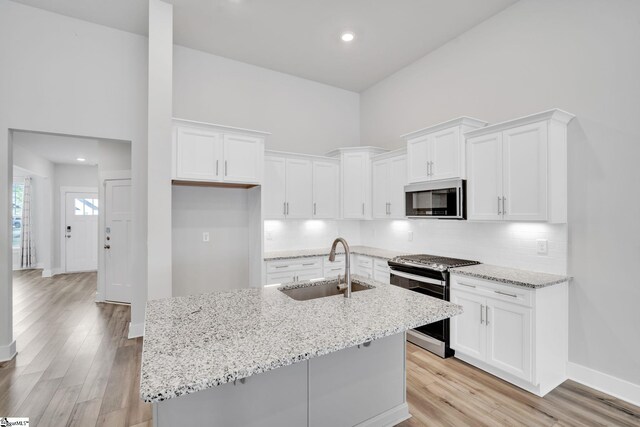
257	357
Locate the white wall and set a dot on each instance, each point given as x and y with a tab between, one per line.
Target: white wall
223	262
302	115
581	56
67	176
114	156
67	76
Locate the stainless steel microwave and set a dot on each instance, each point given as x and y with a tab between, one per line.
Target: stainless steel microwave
443	199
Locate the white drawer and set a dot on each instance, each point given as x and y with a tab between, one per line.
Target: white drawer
364	261
381	264
310	263
495	290
277	278
293	264
309	274
333	271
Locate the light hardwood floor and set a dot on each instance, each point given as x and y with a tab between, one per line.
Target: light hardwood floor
76	367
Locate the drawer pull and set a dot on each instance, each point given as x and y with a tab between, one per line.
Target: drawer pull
282	266
506	294
468	286
309	263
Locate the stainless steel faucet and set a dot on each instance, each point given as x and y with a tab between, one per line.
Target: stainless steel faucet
347	268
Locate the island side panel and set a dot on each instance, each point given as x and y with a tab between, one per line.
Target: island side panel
359	385
272	399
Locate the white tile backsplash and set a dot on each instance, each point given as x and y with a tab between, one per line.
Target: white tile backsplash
506	244
281	235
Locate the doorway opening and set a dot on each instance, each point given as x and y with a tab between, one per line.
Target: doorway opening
72	208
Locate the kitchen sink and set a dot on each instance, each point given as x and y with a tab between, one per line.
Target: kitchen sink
322	290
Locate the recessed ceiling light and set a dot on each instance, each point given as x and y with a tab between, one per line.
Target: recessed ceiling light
81	159
347	37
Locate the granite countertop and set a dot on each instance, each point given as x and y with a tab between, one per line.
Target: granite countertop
197	342
510	276
306	253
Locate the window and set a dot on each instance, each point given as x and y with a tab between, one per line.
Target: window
85	206
17	198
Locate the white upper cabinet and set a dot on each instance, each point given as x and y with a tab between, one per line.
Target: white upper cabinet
326	189
355	167
484	184
274	187
298	186
524	166
198	154
243	158
380	172
213	153
389	176
437	152
517	170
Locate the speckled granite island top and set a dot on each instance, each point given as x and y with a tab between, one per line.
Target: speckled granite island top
510	276
198	342
307	253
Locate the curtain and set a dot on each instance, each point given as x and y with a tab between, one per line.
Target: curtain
28	246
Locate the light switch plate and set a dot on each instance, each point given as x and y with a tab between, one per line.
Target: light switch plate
543	247
205	236
410	236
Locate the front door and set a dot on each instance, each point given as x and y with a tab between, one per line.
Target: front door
81	232
117	240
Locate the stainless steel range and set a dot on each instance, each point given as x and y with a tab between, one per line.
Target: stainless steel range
429	275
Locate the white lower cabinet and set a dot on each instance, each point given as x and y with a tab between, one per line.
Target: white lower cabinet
381	271
518	334
293	270
362	265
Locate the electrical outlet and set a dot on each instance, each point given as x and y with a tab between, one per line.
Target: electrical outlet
410	236
543	247
205	236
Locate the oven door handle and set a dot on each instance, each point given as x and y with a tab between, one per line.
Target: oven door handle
417	278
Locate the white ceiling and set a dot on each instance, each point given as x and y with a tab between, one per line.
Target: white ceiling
58	148
302	37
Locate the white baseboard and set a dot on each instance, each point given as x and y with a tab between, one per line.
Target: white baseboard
136	330
616	387
391	417
7	352
47	272
100	298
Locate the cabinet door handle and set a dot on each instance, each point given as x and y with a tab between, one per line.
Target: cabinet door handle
506	294
217	163
468	286
287	208
486	314
314	208
499	212
225	168
282	266
363	209
504	210
284	208
428	168
481	314
431	168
